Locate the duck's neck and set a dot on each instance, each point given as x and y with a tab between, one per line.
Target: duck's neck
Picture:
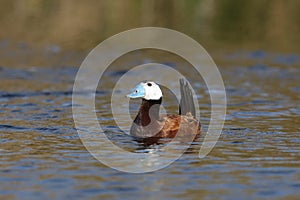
149	110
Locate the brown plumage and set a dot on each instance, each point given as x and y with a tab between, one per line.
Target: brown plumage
186	123
148	122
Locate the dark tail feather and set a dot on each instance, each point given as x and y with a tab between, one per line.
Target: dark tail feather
186	102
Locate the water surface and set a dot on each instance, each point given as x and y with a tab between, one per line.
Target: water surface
257	155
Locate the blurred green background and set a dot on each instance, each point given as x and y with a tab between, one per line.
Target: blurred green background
78	26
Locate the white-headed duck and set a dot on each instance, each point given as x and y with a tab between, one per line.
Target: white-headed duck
149	123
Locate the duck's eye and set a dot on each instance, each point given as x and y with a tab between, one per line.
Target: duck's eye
135	91
149	84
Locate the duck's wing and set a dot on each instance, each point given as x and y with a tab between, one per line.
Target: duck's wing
187	124
186	102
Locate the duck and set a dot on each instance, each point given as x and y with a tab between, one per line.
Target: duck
149	123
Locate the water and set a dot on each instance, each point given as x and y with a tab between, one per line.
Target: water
257	155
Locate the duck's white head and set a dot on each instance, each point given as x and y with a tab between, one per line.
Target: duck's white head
148	90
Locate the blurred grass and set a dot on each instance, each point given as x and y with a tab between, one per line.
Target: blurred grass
75	25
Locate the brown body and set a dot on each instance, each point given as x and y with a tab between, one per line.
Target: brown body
183	125
148	123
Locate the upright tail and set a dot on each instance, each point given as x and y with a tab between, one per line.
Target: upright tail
186	103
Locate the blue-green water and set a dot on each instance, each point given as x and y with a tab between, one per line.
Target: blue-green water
256	157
